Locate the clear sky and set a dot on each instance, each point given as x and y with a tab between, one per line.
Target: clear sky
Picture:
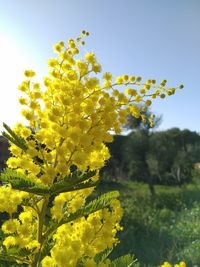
151	38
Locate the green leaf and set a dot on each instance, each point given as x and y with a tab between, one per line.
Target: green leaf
12	258
124	261
13	138
100	203
62	186
73	182
101	257
21	182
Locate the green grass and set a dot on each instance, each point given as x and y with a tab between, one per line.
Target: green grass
164	228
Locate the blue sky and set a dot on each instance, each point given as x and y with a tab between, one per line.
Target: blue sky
152	38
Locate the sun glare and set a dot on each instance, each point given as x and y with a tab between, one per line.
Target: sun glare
12	65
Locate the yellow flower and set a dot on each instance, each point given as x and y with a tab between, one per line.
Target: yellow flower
91	58
9	241
148	103
107	76
23	101
119	80
29	73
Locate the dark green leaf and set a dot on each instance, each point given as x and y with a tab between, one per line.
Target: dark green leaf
21	182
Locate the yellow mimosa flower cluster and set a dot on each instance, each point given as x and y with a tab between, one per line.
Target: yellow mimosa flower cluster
86	237
69	122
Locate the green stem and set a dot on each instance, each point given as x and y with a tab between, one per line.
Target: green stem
40	237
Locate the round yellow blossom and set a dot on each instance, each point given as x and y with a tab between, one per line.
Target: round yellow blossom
9	241
29	73
119	80
10	226
148	103
107	76
23	101
125	77
91	58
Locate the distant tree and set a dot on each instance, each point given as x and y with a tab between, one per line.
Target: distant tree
114	167
137	147
174	151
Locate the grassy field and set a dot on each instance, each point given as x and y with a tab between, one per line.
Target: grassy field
166	228
163	228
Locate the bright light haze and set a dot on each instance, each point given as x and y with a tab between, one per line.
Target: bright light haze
151	38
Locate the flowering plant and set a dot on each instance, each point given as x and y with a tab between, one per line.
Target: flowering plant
56	158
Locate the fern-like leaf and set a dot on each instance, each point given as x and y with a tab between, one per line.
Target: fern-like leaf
101	257
63	186
124	261
76	181
21	182
101	202
13	138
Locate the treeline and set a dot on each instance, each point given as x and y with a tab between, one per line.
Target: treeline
152	157
162	157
